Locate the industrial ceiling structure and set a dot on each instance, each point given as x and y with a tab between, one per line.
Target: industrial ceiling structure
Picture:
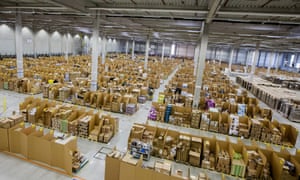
275	24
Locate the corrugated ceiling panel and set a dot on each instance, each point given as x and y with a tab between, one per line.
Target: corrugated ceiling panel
245	3
282	4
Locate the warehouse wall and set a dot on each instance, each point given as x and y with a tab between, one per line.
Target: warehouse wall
41	40
7	39
185	50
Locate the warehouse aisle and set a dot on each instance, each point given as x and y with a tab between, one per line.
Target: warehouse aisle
94	170
165	82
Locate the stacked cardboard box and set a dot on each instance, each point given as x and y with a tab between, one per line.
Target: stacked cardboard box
148	136
266	133
183	148
223	162
195	119
169	147
73	128
94	134
214	121
255	165
158	143
244	127
84	126
107	131
208	161
195	152
256	127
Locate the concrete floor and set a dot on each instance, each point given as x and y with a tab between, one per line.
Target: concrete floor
14	168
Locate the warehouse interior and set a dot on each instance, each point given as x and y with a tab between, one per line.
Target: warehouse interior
251	48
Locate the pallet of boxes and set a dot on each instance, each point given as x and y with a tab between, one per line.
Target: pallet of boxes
86	124
108	129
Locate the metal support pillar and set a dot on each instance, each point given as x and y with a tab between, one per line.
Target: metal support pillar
147	52
196	57
103	50
67	48
163	52
34	43
132	51
201	64
254	61
126	50
271	62
230	60
278	61
19	45
95	54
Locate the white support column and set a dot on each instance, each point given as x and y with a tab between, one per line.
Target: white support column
271	62
196	57
215	54
126	50
95	54
103	50
246	57
219	56
278	61
67	48
254	61
132	52
201	64
147	53
246	62
33	42
230	60
163	52
170	55
49	43
19	45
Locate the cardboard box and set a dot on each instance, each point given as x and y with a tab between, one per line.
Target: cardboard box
223	160
39	147
112	168
128	167
4	139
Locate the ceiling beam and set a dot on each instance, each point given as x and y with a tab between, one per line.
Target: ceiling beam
214	7
158	10
75	5
266	14
266	3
